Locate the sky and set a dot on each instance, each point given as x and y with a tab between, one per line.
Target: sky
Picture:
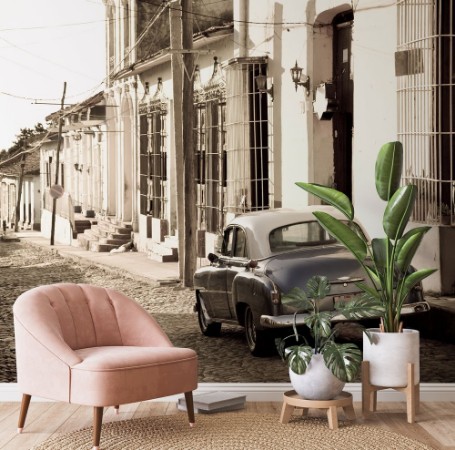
44	43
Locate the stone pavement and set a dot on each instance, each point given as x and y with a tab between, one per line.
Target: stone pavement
439	324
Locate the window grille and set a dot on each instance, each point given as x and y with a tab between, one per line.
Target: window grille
209	145
248	154
4	202
48	174
153	156
12	203
426	119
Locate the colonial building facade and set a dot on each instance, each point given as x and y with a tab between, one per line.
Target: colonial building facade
365	73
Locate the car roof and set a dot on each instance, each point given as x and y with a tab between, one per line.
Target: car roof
259	224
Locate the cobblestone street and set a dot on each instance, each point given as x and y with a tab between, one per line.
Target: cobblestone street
224	359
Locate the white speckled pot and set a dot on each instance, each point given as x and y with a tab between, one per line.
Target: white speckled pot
389	356
317	383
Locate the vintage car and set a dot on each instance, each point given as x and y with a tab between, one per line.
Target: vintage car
264	254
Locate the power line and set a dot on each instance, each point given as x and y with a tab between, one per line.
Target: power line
246	22
43	59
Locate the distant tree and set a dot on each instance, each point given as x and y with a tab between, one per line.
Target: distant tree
39	128
24	136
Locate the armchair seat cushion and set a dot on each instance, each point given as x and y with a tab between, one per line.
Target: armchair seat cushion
112	375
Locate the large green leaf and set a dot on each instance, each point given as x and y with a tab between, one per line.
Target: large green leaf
343	360
344	234
373	275
318	287
398	211
319	323
298	358
389	165
411	280
407	248
370	290
330	196
382	249
361	307
297	298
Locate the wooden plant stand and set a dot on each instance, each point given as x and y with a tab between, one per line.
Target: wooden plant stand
292	400
370	392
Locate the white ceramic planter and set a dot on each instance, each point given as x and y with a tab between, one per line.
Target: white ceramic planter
389	356
317	383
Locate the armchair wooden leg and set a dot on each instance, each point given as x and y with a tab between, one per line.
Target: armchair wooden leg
117	409
190	407
23	413
97	422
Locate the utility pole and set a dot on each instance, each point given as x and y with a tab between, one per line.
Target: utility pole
57	161
188	150
181	27
19	189
175	21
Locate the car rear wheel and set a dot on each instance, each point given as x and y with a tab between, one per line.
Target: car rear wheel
208	328
259	342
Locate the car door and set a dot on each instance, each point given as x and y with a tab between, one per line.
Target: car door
238	263
232	260
216	297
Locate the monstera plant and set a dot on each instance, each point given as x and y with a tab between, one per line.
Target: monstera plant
318	371
386	260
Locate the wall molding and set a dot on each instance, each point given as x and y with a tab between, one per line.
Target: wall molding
273	392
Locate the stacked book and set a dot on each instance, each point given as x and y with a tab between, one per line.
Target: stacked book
212	402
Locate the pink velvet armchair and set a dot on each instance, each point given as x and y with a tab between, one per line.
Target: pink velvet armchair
89	345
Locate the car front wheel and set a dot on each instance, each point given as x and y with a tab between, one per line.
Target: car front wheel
207	328
259	342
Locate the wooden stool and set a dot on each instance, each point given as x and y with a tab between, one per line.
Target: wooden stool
370	392
292	400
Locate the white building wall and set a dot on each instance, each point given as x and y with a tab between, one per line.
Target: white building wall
292	114
375	102
303	144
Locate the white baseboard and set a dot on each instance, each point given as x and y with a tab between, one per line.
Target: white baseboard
273	392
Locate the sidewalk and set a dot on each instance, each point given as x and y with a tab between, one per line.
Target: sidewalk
135	264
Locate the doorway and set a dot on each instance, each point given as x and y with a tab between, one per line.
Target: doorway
344	91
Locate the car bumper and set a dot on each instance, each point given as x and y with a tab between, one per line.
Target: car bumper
286	321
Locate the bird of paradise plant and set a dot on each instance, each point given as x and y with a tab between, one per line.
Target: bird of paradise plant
386	260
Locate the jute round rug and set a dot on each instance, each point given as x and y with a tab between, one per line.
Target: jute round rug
233	431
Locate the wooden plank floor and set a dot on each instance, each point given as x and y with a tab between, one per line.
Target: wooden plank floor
435	424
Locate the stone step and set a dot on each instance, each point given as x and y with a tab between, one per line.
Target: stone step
171	242
160	252
99	248
117	229
121	237
80	226
93	233
116	222
117	242
85	241
102	235
162	258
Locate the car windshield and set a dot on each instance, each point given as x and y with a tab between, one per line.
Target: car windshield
303	234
